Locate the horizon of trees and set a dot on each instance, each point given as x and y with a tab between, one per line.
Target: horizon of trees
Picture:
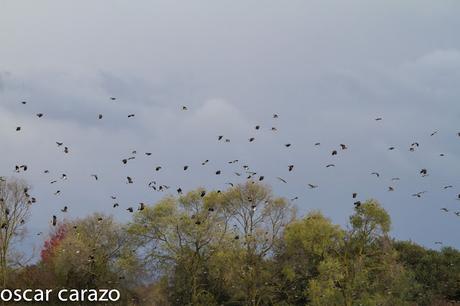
241	246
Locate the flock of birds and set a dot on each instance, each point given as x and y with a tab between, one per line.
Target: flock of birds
245	171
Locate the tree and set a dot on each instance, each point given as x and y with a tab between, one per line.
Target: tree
179	236
258	219
435	275
15	203
306	245
94	252
366	271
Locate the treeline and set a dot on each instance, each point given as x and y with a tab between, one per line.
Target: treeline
242	246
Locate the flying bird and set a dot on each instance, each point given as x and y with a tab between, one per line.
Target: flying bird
418	194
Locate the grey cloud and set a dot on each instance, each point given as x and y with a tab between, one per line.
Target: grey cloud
327	68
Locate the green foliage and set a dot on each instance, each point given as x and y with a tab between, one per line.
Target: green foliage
244	246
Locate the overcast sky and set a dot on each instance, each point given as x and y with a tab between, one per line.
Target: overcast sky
328	68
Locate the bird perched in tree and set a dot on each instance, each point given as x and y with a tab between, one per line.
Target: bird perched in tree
54	221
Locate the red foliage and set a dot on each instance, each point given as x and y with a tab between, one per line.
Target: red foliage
52	243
